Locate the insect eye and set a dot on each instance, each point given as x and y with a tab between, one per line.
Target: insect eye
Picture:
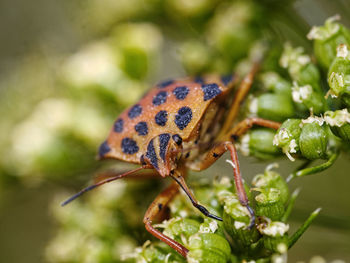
177	139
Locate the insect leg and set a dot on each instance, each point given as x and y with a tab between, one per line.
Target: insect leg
242	195
243	126
238	98
176	175
212	155
159	203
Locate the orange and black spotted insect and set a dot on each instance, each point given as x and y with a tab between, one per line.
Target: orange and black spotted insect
180	125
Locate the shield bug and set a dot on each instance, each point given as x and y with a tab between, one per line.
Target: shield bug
180	125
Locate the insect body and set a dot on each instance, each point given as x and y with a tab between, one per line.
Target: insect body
175	114
180	125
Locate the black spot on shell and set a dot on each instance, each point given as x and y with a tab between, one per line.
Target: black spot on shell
135	111
210	91
151	154
183	117
199	80
161	118
104	148
119	125
226	79
181	92
141	128
215	155
163	143
165	83
129	146
159	98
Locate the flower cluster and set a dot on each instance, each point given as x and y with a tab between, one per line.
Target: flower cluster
68	101
315	125
231	240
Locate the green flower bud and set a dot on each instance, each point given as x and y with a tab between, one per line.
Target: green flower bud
310	75
180	208
139	44
287	137
271	179
275	83
179	229
300	67
208	198
236	219
209	226
274	234
339	73
307	96
346	99
239	213
230	27
195	57
339	122
225	189
276	244
276	107
327	38
154	253
313	139
259	143
208	247
269	203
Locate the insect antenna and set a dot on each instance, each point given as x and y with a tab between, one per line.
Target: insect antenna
89	188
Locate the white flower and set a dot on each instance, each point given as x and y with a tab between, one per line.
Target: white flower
244	144
313	119
253	106
239	225
337	118
301	93
292	146
342	51
273	229
326	31
213	226
96	63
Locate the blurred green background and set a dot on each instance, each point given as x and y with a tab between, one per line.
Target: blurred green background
67	68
